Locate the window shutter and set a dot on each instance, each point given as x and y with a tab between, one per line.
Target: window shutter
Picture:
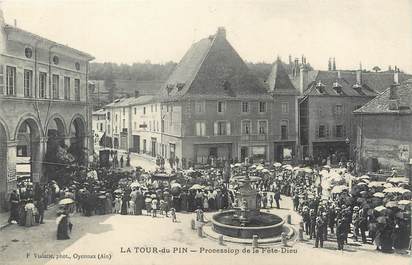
327	130
317	131
228	128
334	131
215	127
197	128
203	128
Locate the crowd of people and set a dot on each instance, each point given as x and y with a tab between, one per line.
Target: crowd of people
333	203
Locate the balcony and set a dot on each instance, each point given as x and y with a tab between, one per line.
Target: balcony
254	137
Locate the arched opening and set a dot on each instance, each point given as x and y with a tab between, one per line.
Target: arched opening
3	167
29	157
77	141
56	158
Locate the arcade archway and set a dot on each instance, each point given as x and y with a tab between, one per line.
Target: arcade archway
56	157
77	140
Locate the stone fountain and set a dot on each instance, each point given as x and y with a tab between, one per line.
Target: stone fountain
247	220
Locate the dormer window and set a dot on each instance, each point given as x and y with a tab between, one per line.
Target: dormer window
180	86
169	88
320	87
338	88
55	60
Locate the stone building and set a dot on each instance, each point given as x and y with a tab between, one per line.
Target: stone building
327	129
43	103
385	129
284	112
213	108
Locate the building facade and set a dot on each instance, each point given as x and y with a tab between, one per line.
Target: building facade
385	129
43	100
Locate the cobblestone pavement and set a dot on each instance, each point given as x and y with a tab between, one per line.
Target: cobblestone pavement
116	235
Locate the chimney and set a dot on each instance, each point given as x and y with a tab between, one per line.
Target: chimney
396	77
393	92
136	93
303	79
359	77
290	59
221	31
15	23
334	64
329	64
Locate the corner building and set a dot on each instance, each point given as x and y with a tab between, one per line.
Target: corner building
43	99
213	108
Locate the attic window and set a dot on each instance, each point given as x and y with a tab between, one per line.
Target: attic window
338	88
180	86
55	60
357	86
320	87
169	87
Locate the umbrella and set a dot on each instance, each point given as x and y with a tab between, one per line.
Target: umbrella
380	208
376	184
135	185
363	192
175	185
364	177
101	197
277	164
398	180
388	185
287	167
396	190
196	187
391	204
259	167
118	191
66	201
308	170
339	189
265	170
404	202
379	195
361	184
327	166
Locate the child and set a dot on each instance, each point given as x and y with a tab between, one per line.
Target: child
130	210
163	207
154	207
117	204
173	214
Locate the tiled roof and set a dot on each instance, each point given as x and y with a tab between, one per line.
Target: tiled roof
211	68
125	102
331	79
278	79
381	103
99	112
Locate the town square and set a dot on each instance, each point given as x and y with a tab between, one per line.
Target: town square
185	132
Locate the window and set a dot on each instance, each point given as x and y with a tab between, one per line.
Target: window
246	127
108	116
338	109
77	66
55	59
339	131
108	129
144	110
157	126
262	125
115	118
322	131
200	107
262	106
222	128
284	130
221	106
28	83
67	88
28	52
42	84
101	126
11	80
200	128
124	123
162	125
245	107
124	111
77	89
285	107
55	87
21	151
1	80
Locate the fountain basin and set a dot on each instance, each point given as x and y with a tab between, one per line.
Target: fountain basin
264	225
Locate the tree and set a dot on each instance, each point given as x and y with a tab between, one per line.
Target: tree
376	69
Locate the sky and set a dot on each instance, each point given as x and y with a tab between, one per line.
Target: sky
374	32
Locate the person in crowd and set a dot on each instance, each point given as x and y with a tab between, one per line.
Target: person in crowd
14	207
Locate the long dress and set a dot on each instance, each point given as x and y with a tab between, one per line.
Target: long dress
29	209
139	204
63	227
125	203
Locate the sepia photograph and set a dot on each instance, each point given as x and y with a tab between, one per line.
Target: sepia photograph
197	132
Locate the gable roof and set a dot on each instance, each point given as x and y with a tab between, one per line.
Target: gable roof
278	79
381	103
212	69
125	102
